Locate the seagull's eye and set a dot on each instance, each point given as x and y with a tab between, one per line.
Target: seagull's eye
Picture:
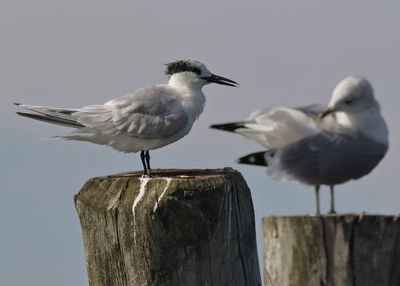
348	101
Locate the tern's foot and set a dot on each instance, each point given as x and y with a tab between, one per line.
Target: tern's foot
332	212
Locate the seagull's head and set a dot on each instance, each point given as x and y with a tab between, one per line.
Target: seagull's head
194	73
352	95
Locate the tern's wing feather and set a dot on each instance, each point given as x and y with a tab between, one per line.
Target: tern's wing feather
148	113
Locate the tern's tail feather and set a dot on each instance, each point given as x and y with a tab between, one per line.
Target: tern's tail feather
258	159
59	116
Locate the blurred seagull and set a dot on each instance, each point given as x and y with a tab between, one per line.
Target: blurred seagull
148	119
319	145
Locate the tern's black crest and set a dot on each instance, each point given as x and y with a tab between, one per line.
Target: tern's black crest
182	66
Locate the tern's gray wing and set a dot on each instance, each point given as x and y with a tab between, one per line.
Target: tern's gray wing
326	158
148	113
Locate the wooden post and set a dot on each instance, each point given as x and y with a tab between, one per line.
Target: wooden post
180	227
334	250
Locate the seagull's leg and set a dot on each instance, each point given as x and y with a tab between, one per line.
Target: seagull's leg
332	210
317	199
147	154
142	157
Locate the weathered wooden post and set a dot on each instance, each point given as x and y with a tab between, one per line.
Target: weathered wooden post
348	250
179	227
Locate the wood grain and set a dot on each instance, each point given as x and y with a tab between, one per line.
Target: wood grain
348	249
181	227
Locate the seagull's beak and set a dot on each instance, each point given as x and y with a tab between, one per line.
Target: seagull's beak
325	113
220	80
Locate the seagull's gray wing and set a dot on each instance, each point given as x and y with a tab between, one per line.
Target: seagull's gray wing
326	158
148	113
280	126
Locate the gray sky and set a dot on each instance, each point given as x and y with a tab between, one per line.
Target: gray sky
74	53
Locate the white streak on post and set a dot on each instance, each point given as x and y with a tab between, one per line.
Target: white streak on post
168	182
143	183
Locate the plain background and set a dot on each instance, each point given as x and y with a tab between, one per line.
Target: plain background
75	53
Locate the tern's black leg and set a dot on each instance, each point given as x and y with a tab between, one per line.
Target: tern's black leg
317	199
142	157
332	210
147	156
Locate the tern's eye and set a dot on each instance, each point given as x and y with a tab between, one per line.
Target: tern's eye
348	101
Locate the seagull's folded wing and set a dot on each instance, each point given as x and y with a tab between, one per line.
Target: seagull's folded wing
327	158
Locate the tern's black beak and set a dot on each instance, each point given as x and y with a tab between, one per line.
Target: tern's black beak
220	80
323	114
